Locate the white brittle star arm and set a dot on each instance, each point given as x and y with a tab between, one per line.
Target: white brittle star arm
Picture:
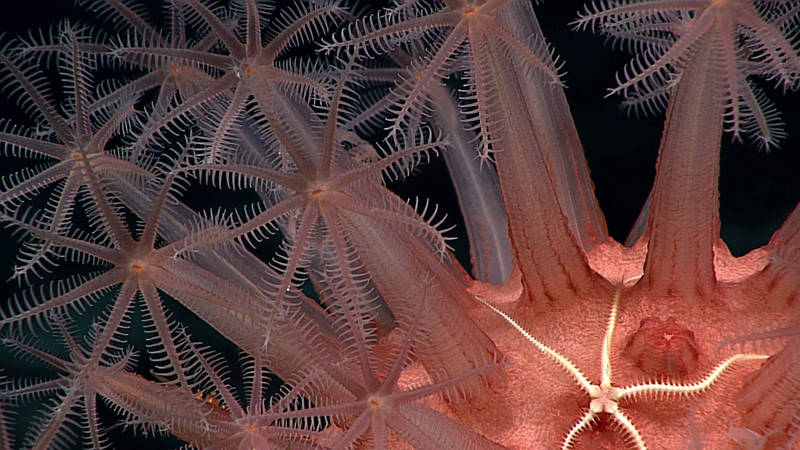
565	364
606	352
588	419
585	422
626	423
679	389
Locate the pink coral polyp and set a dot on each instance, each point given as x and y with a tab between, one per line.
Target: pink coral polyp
663	348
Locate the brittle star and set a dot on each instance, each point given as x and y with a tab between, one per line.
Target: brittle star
605	397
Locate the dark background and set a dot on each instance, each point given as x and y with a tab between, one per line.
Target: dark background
758	189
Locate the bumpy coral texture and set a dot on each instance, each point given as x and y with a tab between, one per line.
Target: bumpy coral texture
198	178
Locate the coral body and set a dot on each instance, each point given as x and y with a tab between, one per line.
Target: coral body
319	274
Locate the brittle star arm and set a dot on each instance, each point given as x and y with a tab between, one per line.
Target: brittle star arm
586	421
626	423
606	351
565	363
689	389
